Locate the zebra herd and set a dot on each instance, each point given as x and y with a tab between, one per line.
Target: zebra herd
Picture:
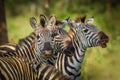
50	52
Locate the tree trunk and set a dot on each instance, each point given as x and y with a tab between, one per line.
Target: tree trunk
3	27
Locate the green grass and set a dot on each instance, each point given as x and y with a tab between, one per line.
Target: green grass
102	64
18	27
99	63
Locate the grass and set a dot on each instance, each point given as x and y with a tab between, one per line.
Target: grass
102	64
99	63
18	27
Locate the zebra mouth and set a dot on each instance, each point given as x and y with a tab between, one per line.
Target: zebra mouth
104	43
48	53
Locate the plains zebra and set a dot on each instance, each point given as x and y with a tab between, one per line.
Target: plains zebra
81	35
59	46
37	45
16	68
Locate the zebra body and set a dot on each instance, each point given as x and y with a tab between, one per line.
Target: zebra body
81	35
16	68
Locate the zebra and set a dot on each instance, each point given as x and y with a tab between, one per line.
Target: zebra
82	35
59	46
37	45
16	68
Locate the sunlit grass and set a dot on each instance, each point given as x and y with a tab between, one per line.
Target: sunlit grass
18	27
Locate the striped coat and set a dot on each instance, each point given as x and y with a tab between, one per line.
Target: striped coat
16	68
80	37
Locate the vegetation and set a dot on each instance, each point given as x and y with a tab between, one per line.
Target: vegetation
99	63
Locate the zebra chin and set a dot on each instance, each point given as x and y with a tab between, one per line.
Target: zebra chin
103	45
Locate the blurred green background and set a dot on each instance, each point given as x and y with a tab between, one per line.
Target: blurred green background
99	63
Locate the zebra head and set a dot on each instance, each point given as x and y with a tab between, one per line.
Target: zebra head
44	40
61	38
88	34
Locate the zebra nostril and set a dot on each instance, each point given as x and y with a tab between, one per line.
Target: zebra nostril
47	46
103	36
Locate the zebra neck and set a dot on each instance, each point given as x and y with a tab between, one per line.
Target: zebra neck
27	47
79	51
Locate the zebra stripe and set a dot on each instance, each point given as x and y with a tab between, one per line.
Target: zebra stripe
16	68
27	50
58	47
82	36
34	47
7	47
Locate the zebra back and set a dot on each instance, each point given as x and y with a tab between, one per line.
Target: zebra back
7	47
15	68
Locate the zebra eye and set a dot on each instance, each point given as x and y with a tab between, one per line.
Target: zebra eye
86	30
38	37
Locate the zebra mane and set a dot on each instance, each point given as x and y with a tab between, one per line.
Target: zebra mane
80	19
30	38
58	22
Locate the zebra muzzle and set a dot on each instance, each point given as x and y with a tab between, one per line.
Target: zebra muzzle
103	39
48	53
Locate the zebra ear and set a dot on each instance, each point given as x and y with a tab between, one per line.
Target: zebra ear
33	23
58	22
90	20
52	20
66	21
80	19
71	23
43	20
51	23
83	18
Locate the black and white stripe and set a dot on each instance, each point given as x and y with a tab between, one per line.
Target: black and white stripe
16	68
35	46
7	47
31	49
80	37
